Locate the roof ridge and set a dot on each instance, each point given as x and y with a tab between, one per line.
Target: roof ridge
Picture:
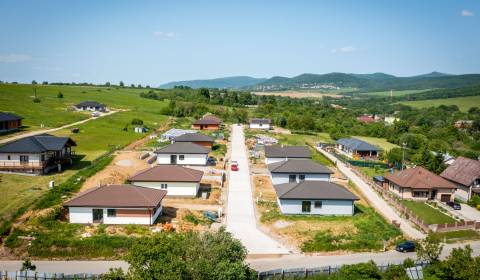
34	137
143	171
294	187
136	189
184	170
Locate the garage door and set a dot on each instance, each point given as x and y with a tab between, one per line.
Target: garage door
445	197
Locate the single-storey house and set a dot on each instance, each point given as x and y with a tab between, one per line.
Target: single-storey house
196	138
116	204
91	106
260	124
209	122
366	119
184	153
37	154
9	122
356	148
176	180
420	184
276	153
315	198
465	174
298	170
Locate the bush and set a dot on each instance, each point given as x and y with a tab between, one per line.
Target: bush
60	95
137	122
36	100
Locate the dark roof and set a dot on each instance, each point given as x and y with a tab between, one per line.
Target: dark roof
260	121
37	144
357	144
168	173
276	151
306	166
193	137
379	178
463	171
313	190
5	117
210	119
121	196
89	104
183	148
419	178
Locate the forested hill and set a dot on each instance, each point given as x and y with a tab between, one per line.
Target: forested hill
375	81
227	82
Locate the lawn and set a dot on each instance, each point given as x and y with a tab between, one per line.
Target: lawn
373	171
455	236
427	213
394	93
380	142
463	103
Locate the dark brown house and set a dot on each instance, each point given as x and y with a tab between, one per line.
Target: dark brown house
9	122
209	122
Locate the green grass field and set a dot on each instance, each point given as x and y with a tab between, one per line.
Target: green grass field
463	103
380	142
427	213
395	92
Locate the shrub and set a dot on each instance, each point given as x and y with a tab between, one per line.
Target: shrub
60	95
137	122
36	100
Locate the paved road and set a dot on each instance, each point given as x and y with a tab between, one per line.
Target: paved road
381	205
240	213
37	132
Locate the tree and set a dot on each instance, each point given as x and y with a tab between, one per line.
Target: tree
59	94
395	156
361	271
429	249
137	121
34	82
459	265
28	265
395	272
107	84
204	92
121	84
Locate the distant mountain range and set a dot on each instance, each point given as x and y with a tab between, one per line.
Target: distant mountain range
358	82
227	82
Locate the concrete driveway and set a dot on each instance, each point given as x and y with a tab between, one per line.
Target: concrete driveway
241	221
469	212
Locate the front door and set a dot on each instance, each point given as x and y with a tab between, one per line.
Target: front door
173	159
306	206
97	215
433	194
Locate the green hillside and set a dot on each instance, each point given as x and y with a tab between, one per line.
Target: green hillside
463	103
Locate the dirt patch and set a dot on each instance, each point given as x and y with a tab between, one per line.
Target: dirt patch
118	171
263	188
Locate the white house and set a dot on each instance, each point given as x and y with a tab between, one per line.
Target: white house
116	204
276	153
183	153
315	198
176	180
260	124
92	106
298	170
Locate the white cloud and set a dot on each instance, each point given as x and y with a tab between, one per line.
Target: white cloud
467	13
344	49
161	34
12	58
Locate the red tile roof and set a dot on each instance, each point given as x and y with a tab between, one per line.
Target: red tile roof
419	178
463	171
168	173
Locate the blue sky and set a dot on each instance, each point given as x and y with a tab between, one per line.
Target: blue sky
152	42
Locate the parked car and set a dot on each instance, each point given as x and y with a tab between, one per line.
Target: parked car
407	246
234	166
454	205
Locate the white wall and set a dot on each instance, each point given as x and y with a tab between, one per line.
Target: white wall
33	159
83	215
173	188
329	207
282	178
259	126
190	159
273	160
462	193
80	215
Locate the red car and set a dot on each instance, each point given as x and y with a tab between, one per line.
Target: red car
234	166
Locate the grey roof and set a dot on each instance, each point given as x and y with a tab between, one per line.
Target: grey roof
260	121
313	190
306	166
357	144
183	148
193	137
90	104
276	151
5	117
37	144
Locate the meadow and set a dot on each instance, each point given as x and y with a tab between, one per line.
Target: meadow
463	103
394	93
380	142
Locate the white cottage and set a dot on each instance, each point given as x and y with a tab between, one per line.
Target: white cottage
116	204
183	153
176	180
92	106
276	153
260	124
315	198
298	170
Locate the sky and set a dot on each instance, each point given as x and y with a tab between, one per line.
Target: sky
153	42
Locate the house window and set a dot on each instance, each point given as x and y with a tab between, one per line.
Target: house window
181	157
318	204
163	186
301	177
42	158
420	194
306	206
23	159
111	213
292	178
8	157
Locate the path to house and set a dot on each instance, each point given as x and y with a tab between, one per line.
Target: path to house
241	221
261	264
375	200
37	132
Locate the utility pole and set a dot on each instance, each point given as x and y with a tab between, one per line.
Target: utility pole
403	153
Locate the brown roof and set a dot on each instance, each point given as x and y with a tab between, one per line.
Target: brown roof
210	119
463	171
313	190
118	196
419	178
168	173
